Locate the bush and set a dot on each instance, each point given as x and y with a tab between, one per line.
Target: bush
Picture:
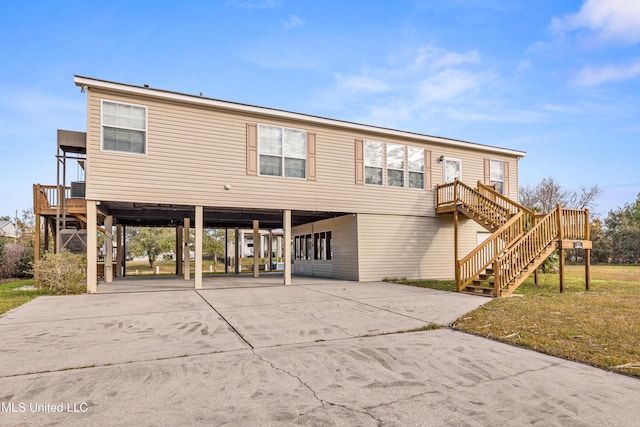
16	260
64	273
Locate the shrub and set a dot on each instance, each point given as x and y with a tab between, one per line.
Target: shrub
16	260
12	254
64	273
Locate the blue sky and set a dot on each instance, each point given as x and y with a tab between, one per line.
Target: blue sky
557	79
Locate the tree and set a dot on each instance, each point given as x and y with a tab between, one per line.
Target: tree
601	245
150	241
16	255
213	244
623	233
547	194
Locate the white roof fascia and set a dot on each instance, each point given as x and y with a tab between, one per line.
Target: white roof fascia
251	109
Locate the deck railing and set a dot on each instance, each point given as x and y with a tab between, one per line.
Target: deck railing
48	196
471	266
529	216
558	224
457	192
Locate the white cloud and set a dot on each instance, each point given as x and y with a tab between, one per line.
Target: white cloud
255	4
612	20
362	84
294	21
434	57
590	76
449	85
421	87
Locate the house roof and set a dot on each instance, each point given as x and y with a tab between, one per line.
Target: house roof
86	82
8	229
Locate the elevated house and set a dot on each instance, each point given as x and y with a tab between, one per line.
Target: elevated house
354	201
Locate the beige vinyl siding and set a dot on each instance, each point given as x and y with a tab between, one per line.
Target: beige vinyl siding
344	264
394	246
194	151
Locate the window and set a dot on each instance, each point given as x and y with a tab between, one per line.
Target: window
497	175
415	165
309	249
452	169
395	165
322	243
303	247
373	157
283	151
124	128
317	246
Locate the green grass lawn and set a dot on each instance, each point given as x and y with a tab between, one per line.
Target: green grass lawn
11	297
600	327
169	267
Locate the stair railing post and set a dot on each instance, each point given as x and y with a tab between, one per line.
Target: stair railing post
455	191
455	249
497	267
560	248
587	252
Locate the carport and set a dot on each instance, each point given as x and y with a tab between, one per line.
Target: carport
183	219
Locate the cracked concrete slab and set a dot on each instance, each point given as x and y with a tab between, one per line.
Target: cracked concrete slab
444	377
176	358
48	308
429	305
272	325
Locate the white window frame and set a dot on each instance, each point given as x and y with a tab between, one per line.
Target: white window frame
384	164
403	170
491	180
410	171
102	126
282	155
444	168
383	161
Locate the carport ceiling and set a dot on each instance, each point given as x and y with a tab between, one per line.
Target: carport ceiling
160	215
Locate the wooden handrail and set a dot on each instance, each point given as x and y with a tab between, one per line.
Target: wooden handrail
525	250
48	196
445	194
481	205
575	224
522	234
485	254
529	215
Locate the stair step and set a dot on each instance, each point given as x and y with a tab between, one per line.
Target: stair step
478	290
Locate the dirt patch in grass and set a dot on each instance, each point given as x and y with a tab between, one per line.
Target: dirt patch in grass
600	327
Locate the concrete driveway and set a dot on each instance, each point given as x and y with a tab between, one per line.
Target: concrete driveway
311	354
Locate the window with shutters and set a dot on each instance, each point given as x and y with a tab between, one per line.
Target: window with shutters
124	127
282	151
393	165
373	162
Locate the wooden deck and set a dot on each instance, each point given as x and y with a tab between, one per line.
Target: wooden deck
53	200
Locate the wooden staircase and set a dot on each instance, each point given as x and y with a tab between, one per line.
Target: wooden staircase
520	242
